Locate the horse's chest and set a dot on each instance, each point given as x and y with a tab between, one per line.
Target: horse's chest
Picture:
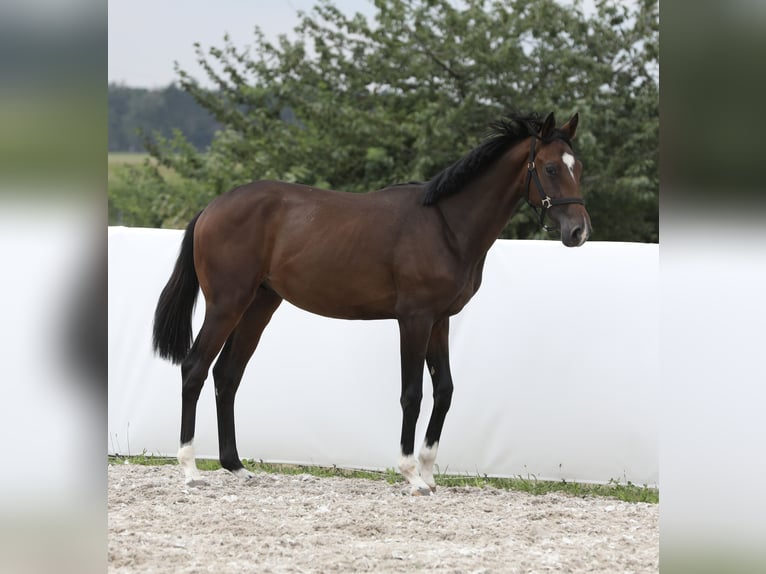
463	296
467	290
462	299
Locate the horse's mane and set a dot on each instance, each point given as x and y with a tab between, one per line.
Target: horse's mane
502	135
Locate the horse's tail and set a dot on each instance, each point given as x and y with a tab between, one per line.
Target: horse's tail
172	335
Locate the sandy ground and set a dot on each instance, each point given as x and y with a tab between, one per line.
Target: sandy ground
282	523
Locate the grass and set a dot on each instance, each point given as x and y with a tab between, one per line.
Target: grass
118	160
126	157
627	492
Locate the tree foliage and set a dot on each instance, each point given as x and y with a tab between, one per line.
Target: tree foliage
132	110
355	105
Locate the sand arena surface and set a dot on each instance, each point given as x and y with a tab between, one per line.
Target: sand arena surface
283	523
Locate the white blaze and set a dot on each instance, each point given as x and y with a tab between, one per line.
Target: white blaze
569	161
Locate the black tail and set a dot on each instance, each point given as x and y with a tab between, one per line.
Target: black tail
172	320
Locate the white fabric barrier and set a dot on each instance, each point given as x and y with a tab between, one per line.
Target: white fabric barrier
555	364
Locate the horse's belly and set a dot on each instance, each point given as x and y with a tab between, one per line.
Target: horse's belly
337	295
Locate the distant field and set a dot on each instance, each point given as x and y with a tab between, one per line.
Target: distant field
117	159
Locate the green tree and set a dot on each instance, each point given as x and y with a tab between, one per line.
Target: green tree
356	105
163	110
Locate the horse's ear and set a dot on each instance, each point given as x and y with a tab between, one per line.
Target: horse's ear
571	126
548	126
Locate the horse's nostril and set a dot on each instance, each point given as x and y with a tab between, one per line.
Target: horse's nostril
577	233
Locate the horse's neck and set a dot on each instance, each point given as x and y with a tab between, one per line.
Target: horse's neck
478	213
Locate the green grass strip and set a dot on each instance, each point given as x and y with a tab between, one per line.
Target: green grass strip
627	492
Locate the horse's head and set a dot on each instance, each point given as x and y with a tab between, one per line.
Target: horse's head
553	181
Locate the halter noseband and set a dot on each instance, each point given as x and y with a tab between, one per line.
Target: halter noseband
545	200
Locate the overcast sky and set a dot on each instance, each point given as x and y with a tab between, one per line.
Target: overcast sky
147	36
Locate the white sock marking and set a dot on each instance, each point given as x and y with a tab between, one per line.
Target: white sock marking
192	477
427	457
569	161
408	466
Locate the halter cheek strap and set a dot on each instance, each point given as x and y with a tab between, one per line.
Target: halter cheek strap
546	201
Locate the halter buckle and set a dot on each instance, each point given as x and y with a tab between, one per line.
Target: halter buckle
531	165
547	202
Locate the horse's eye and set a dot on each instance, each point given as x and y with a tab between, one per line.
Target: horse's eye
550	169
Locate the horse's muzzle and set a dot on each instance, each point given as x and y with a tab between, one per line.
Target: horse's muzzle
575	233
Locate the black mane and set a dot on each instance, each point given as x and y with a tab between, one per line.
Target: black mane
502	135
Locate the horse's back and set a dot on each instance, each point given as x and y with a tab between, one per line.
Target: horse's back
265	196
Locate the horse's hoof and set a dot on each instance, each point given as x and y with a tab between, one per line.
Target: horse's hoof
195	482
243	474
421	491
432	487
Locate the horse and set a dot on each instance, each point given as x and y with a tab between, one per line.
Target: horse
411	252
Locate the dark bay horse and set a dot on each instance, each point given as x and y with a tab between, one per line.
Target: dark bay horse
410	252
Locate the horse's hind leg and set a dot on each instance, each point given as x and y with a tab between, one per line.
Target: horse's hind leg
219	322
437	358
228	371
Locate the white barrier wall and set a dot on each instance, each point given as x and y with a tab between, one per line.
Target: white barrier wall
555	364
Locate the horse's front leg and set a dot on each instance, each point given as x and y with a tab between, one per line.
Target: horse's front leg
437	358
414	334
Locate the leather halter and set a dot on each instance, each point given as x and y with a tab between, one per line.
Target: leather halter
545	200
